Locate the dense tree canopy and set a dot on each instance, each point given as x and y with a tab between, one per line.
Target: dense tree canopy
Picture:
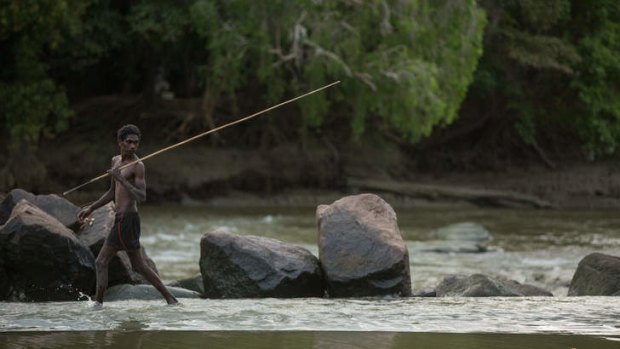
551	64
406	66
405	63
31	102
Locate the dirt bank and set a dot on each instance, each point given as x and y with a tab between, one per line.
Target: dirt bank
303	176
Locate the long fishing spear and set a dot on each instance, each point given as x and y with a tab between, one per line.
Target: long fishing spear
202	135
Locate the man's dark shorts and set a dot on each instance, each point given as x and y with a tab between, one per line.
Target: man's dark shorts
125	233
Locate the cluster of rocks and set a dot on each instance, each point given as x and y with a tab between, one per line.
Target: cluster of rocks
361	254
46	255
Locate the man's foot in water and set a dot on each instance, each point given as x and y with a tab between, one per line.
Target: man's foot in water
173	301
97	306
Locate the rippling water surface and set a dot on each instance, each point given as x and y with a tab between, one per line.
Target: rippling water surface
536	247
586	316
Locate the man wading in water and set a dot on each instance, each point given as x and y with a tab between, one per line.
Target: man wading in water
127	188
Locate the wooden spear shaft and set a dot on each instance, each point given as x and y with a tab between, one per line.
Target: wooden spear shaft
202	135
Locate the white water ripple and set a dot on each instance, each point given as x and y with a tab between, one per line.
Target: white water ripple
534	315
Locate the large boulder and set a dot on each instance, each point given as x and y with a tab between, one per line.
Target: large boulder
144	292
235	266
597	275
43	259
479	285
94	234
361	250
60	208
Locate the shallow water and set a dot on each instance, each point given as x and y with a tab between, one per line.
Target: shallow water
537	247
540	247
575	315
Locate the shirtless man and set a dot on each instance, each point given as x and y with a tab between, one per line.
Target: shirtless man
127	188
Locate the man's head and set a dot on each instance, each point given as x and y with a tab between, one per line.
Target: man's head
128	139
126	130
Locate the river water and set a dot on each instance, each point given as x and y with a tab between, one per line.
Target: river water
539	247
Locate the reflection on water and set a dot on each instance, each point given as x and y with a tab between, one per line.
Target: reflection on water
315	340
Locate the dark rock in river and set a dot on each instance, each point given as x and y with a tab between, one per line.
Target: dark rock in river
144	292
54	205
42	258
478	285
194	283
597	275
234	266
425	294
361	250
94	235
4	281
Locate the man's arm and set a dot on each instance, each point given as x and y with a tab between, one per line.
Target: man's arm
104	199
137	190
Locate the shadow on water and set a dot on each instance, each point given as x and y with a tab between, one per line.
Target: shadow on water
279	339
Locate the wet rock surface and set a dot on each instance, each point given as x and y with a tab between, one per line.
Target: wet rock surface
361	248
235	266
479	285
597	275
42	259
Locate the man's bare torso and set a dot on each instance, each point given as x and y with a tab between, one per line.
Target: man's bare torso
124	202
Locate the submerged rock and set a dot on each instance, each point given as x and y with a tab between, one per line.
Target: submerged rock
194	283
597	275
361	249
466	231
60	208
464	237
144	292
234	266
43	259
479	285
450	247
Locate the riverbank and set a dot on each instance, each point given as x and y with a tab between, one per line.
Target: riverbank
308	171
253	164
203	175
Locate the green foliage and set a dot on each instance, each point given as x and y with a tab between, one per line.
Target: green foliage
31	104
598	81
450	36
553	63
405	63
34	109
405	66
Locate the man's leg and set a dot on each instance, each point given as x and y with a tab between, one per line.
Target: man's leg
103	260
139	265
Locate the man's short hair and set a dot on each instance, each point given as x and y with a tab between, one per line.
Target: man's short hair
127	130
